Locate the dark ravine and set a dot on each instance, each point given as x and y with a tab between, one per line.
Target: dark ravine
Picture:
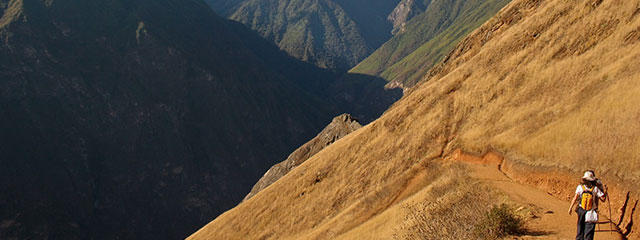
135	120
339	127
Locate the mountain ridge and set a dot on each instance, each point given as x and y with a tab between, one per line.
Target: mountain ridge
330	34
120	118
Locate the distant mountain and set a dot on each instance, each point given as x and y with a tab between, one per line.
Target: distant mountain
426	38
334	34
142	119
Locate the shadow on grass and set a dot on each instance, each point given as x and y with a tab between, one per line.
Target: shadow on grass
533	233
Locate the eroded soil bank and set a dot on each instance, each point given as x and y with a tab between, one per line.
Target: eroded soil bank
549	191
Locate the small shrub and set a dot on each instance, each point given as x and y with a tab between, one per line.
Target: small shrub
454	206
457	207
499	222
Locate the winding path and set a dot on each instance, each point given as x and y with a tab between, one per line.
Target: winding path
551	220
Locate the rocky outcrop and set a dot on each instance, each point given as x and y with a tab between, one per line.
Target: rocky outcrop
339	127
406	10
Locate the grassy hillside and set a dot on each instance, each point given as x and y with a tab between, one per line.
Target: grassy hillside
550	84
408	71
426	39
330	34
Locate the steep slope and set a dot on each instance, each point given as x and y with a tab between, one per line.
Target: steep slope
140	119
426	39
339	127
330	34
552	85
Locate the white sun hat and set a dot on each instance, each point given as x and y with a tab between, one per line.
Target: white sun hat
588	175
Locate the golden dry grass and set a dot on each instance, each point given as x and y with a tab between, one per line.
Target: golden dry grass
12	11
451	207
547	83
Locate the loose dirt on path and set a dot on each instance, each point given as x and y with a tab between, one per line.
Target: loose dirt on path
551	219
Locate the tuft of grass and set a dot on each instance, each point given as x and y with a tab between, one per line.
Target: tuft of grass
10	11
452	209
500	221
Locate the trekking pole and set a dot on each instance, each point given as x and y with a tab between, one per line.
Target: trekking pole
610	217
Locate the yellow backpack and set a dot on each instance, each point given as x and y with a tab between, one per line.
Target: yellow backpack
586	199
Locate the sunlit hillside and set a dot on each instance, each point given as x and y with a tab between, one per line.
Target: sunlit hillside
426	39
551	85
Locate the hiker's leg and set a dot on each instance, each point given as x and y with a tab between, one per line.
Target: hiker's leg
589	230
581	224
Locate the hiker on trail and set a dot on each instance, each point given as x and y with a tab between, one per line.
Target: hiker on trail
587	195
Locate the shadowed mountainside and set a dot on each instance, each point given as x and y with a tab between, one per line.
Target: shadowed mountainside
224	7
142	119
552	85
332	34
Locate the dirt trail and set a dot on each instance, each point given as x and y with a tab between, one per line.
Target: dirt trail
552	220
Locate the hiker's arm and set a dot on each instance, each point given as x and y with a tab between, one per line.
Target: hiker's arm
573	202
605	193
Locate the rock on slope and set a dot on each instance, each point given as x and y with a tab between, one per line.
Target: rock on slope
405	11
339	127
550	84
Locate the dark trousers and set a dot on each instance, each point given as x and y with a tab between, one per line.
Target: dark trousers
585	229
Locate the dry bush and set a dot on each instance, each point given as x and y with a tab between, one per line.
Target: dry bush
456	204
499	222
458	207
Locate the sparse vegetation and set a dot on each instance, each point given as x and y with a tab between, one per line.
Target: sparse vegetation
457	207
500	221
452	209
